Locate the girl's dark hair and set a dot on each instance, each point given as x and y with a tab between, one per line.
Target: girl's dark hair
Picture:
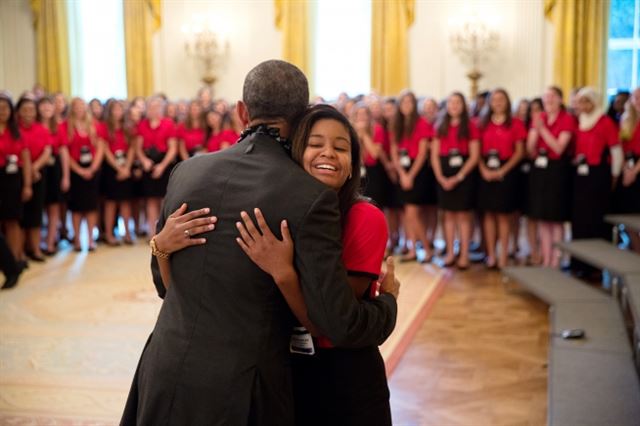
108	117
51	125
12	124
444	120
384	122
487	112
24	100
188	122
403	126
209	128
350	191
91	102
536	101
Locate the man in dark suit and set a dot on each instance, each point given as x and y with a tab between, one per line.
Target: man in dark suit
219	352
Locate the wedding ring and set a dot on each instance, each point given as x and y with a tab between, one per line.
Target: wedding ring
187	233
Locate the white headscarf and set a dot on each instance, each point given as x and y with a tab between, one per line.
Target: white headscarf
587	121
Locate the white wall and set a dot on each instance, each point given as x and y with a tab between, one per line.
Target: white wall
252	36
17	47
521	63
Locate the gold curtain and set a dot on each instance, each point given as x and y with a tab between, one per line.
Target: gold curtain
391	20
141	19
580	45
292	18
52	44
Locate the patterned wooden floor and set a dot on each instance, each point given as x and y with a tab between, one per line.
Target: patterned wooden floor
479	359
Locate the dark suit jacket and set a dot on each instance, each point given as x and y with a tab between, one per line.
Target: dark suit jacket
219	351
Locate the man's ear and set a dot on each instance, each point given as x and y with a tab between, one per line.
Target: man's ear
243	113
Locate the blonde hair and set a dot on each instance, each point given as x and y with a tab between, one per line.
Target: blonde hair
87	120
629	121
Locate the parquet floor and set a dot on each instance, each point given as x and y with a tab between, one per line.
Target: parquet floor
479	358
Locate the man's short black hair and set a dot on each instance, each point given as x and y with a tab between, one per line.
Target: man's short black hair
275	89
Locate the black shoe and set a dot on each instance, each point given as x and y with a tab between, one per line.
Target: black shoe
35	258
11	281
22	265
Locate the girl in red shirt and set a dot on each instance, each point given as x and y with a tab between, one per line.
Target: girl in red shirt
409	150
37	140
119	154
214	128
455	152
502	137
156	148
550	180
15	178
86	152
394	207
191	134
57	182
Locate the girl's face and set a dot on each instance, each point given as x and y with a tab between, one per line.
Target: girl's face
585	105
59	104
154	110
46	110
172	110
361	116
376	109
551	101
430	108
499	103
327	156
195	110
214	120
5	112
96	109
27	113
78	108
117	111
522	109
406	106
455	106
389	110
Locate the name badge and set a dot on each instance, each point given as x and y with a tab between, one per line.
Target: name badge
12	165
52	160
541	162
86	156
301	342
493	162
405	160
583	170
363	171
456	161
121	159
525	168
631	163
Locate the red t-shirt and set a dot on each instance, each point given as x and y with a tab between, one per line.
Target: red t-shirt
157	137
379	136
116	141
565	122
364	240
193	138
633	144
35	138
227	136
422	130
77	142
501	138
593	142
10	146
450	140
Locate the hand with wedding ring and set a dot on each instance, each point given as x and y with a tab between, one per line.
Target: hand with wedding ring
180	228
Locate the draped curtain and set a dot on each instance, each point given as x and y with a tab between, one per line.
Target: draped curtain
391	20
52	44
580	45
292	18
141	19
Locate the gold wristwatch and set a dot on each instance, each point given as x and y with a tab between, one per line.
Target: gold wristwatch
155	251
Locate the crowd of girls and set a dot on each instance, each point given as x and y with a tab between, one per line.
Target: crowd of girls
483	165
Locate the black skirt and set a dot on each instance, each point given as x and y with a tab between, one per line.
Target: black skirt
499	196
522	185
11	206
114	189
550	191
424	187
374	184
462	197
341	387
155	187
626	199
84	194
32	214
137	175
53	193
590	202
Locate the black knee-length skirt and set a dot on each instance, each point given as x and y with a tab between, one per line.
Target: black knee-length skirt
84	194
156	187
114	189
499	196
424	187
550	191
341	386
11	206
590	202
522	191
32	214
53	193
463	196
374	184
626	199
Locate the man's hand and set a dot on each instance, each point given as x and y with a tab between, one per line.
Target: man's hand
389	283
